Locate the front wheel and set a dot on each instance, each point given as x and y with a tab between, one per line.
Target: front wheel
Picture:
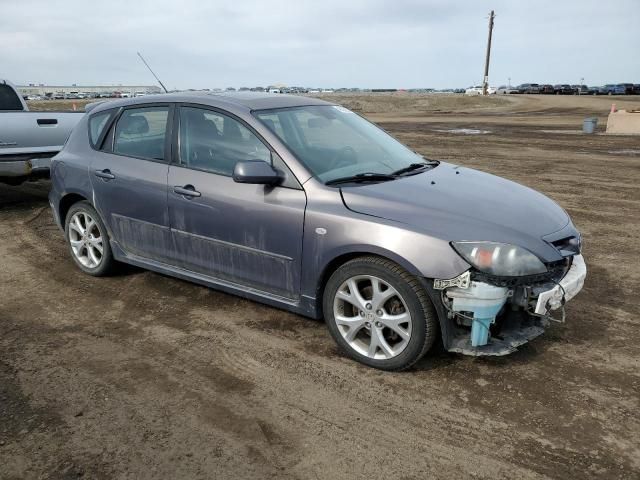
88	240
379	314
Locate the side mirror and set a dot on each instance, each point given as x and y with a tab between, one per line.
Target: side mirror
257	172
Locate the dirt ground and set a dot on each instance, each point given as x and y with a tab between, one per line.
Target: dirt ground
142	376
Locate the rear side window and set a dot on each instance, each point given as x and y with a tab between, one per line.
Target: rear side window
141	132
96	126
9	100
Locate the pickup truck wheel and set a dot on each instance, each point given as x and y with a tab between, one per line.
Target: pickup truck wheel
379	314
88	240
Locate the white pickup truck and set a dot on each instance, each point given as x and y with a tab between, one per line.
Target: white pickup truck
28	140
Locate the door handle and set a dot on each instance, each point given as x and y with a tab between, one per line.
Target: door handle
105	174
187	191
47	121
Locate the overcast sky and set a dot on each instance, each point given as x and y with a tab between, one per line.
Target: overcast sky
325	43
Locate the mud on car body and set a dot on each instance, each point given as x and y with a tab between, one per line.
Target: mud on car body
305	205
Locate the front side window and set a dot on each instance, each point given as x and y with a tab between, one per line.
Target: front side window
214	142
140	132
334	142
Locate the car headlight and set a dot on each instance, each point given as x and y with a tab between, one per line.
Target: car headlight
500	259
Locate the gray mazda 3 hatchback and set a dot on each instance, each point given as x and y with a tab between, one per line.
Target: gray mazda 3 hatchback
306	206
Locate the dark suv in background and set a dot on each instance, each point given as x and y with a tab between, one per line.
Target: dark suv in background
628	88
546	89
529	88
563	89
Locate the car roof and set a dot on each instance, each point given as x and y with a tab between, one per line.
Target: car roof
228	100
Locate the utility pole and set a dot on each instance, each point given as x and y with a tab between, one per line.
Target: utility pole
485	82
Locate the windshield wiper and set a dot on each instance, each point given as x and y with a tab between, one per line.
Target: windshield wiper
362	177
416	166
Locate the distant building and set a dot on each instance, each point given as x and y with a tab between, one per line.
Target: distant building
51	90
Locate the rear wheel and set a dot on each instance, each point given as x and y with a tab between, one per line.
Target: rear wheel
88	240
379	314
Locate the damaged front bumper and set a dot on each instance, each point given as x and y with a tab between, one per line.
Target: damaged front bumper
565	290
495	319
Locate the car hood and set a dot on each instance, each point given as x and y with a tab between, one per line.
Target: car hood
455	203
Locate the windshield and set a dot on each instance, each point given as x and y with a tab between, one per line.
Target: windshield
334	142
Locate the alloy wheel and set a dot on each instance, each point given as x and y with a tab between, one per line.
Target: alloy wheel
86	240
372	317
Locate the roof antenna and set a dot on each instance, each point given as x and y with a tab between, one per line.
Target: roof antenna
147	65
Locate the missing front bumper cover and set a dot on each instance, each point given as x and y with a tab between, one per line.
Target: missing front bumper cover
523	317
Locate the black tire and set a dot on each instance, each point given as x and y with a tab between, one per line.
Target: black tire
423	315
107	262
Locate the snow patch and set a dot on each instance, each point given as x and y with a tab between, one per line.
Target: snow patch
465	131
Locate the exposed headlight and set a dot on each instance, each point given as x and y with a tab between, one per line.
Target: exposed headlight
500	259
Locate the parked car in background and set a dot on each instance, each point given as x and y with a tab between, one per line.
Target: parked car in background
506	90
477	90
613	89
628	88
529	88
636	88
28	140
563	89
305	205
547	89
580	89
596	90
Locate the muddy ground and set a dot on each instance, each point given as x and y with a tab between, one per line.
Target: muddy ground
143	376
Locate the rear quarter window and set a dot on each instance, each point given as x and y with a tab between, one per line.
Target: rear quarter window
97	123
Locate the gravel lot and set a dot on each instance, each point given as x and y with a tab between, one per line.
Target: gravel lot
144	376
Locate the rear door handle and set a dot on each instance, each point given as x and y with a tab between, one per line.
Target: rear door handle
105	174
187	191
47	121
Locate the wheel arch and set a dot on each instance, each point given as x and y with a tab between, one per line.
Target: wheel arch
65	204
342	256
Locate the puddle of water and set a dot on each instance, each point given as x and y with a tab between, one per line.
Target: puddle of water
565	132
624	152
465	131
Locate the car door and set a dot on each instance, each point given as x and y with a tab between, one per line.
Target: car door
129	179
246	235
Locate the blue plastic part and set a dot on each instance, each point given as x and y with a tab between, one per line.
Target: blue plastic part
483	317
480	331
483	302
